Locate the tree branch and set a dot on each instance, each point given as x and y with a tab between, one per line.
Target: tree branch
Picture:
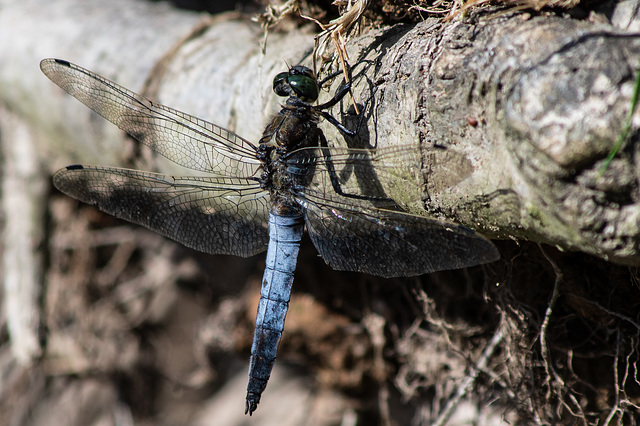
525	110
528	111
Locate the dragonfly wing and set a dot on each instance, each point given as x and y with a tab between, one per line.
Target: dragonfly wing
210	214
390	243
404	174
354	203
359	174
182	138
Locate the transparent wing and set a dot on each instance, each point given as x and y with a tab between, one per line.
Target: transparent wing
392	244
357	226
210	214
182	138
396	172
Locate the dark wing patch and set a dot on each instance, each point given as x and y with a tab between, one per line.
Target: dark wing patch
209	214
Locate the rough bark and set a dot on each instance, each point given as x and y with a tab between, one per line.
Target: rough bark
525	109
532	107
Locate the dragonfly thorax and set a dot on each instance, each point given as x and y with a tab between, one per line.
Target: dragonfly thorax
293	128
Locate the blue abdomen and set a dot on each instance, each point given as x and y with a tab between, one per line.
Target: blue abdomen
285	233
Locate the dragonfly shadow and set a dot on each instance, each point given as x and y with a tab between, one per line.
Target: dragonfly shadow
357	167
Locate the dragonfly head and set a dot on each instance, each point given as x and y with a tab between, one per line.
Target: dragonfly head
299	81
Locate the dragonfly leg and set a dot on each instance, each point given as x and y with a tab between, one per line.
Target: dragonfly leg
333	175
329	77
344	89
337	98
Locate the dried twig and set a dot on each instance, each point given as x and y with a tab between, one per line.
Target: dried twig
481	365
551	372
337	30
616	406
374	325
273	15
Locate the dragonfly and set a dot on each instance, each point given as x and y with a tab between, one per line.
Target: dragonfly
246	198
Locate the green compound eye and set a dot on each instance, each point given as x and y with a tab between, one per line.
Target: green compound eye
299	82
280	85
304	86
